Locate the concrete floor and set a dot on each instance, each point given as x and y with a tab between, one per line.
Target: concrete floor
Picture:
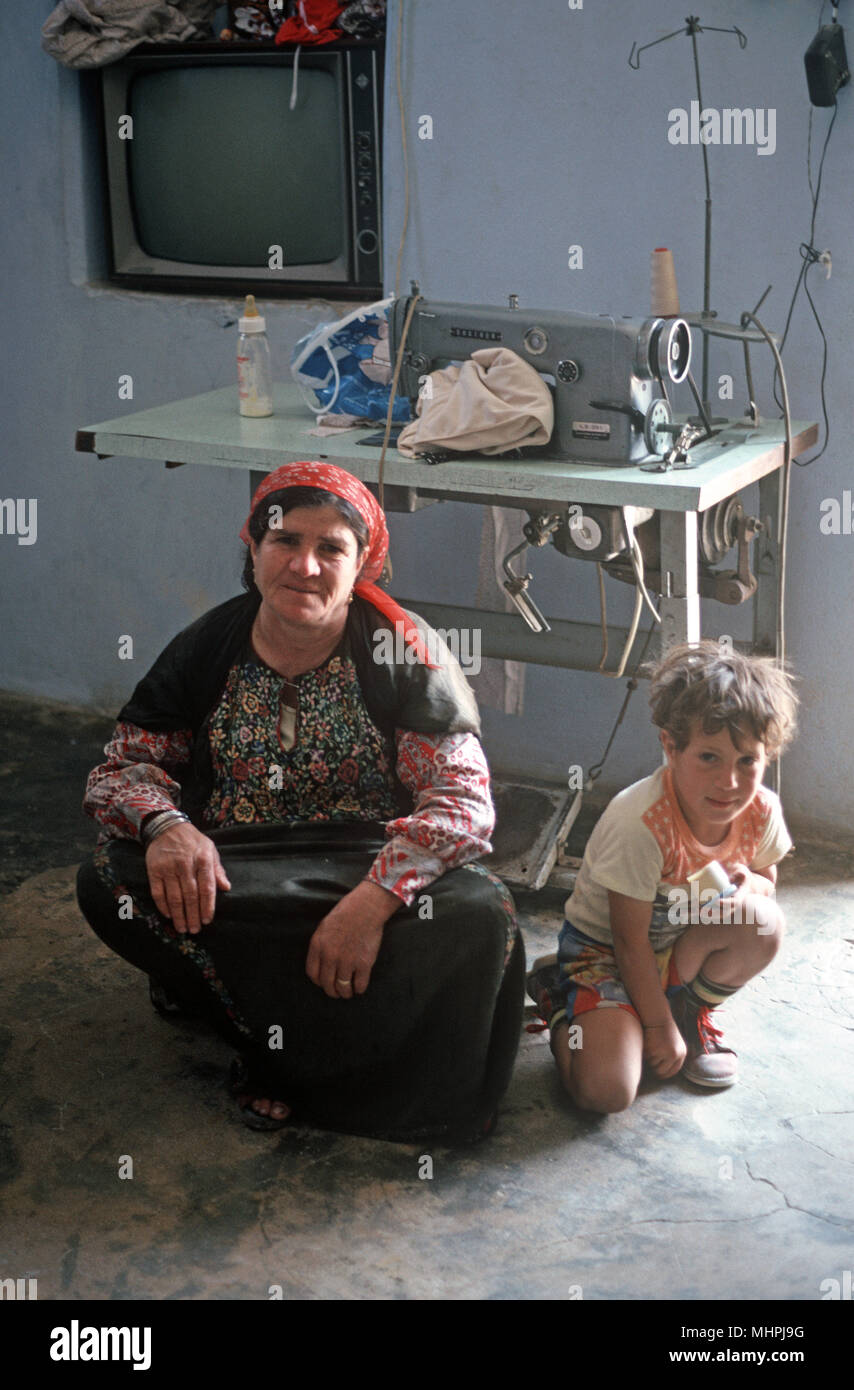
743	1194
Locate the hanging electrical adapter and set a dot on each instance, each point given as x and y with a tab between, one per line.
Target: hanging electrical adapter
826	63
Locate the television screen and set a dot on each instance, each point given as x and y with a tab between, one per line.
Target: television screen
221	169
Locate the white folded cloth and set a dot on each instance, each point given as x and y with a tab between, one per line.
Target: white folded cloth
492	403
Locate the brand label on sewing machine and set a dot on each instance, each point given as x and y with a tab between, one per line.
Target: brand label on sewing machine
486	335
589	429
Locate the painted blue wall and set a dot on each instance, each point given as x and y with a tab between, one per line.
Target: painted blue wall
542	137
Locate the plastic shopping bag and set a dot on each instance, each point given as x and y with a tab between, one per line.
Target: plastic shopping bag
343	367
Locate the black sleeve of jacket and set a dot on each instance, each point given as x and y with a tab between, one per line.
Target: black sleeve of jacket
404	694
183	684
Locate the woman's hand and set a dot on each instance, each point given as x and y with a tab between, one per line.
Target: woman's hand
184	871
343	949
664	1048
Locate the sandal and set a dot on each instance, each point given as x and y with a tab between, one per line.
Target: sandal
244	1087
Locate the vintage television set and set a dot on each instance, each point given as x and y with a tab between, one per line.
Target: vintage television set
228	168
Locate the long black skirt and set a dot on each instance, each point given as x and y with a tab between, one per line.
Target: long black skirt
427	1050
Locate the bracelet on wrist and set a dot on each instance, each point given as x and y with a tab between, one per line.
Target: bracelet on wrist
162	821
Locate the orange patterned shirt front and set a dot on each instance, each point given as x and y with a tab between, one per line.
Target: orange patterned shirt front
643	848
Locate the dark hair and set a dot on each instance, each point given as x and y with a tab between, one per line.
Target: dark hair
285	500
723	690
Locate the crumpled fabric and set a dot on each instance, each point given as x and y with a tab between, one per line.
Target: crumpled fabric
314	22
364	19
91	33
253	22
491	404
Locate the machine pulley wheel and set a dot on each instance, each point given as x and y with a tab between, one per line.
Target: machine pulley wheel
658	440
719	529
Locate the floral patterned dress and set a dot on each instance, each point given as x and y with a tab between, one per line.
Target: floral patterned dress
337	766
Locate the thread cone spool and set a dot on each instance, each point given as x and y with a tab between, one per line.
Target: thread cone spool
712	878
663	291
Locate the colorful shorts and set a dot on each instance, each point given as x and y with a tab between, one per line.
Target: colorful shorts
590	977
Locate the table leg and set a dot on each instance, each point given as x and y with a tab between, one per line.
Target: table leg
766	567
680	604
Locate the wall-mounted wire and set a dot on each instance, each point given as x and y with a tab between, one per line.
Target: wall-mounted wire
810	256
782	509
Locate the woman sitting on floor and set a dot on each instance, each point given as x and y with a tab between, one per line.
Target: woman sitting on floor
291	817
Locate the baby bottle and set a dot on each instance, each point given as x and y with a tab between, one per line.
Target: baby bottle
254	368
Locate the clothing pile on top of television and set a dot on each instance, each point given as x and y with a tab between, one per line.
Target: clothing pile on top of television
257	21
364	19
92	33
306	21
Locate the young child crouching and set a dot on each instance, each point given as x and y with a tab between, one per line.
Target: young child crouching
639	970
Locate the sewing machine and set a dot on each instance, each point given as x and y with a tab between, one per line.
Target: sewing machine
608	375
609	379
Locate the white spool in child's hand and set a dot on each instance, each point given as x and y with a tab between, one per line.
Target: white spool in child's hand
713	878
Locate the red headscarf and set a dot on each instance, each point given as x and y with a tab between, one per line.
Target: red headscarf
336	480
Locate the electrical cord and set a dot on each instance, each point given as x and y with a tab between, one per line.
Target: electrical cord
809	257
595	770
408	320
404	150
782	511
636	557
641	597
635	623
603	616
398	363
813	257
386	574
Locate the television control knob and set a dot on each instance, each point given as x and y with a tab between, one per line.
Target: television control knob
367	241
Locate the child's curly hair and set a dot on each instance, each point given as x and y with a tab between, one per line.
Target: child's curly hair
723	690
